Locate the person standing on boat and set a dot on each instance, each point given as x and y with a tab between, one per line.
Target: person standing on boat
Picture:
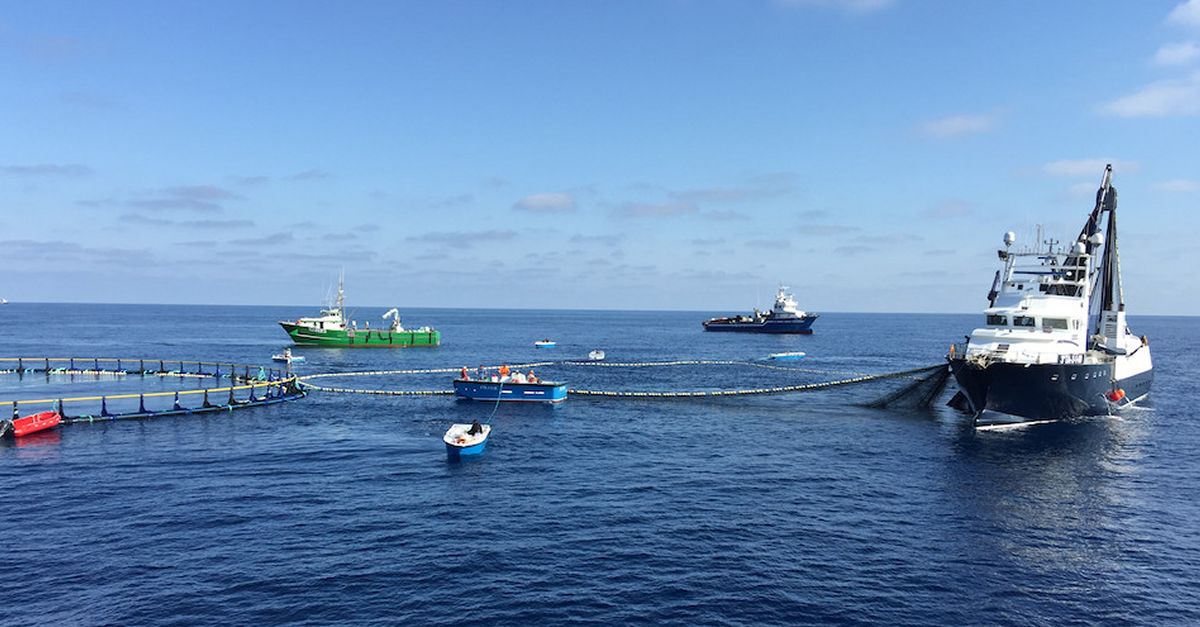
463	374
476	428
504	371
530	378
479	372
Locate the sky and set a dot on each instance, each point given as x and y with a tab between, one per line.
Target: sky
629	154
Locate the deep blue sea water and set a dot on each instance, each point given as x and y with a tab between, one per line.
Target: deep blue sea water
796	509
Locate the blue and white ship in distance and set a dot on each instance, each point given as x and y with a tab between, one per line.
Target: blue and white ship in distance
1056	344
784	317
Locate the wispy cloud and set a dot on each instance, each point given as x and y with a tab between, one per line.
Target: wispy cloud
67	170
768	244
464	239
1186	14
251	181
1086	167
949	208
605	240
709	241
827	229
890	238
958	125
1178	185
267	240
339	237
137	218
759	187
1180	53
724	215
216	224
84	99
546	202
849	6
656	210
855	249
313	174
1177	96
453	201
198	198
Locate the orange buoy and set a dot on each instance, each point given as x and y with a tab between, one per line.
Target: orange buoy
1116	395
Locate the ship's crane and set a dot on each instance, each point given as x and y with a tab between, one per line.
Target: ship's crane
394	314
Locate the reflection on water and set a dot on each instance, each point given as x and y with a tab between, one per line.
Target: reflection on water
1047	499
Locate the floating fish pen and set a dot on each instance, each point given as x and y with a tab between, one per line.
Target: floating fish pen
115	389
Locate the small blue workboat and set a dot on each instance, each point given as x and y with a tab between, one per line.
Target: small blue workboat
466	440
786	356
509	389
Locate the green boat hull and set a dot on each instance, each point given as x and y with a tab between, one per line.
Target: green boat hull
361	338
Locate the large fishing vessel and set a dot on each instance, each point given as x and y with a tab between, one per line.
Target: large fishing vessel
784	317
1056	344
333	329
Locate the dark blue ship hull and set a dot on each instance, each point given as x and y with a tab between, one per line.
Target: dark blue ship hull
802	325
1043	391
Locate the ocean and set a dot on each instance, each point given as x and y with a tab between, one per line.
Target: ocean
805	508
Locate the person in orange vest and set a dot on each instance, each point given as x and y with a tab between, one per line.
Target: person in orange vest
504	370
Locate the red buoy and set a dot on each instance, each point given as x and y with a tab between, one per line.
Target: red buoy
1116	395
35	423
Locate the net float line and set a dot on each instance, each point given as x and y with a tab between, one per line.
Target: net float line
914	373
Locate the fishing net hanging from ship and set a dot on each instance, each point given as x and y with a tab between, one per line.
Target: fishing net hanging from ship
687	378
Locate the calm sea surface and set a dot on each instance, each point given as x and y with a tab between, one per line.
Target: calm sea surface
805	508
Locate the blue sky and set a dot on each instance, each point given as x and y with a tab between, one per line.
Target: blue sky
633	155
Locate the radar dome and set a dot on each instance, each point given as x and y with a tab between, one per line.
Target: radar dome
1097	238
1010	238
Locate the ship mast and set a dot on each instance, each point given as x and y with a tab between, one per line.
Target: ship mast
341	302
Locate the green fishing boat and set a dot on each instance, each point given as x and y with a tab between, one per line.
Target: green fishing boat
332	329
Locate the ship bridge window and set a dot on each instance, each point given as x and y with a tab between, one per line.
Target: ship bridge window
1023	321
1054	323
997	320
